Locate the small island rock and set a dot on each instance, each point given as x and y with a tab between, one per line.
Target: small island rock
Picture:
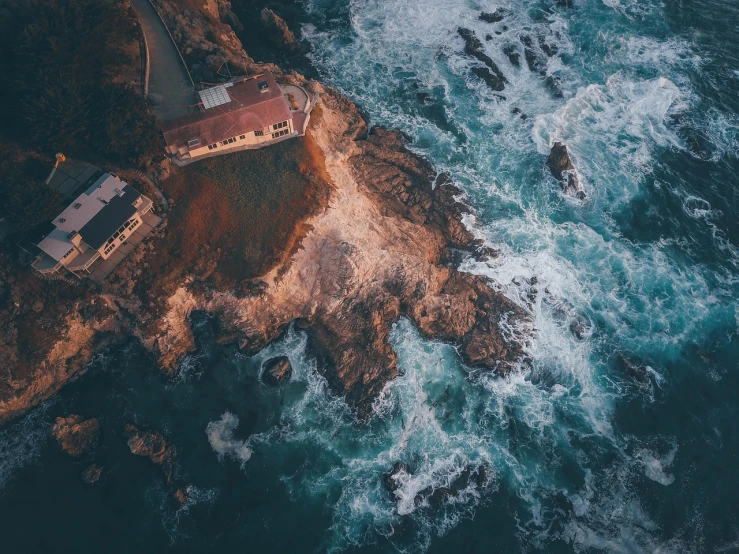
277	370
152	445
74	433
561	166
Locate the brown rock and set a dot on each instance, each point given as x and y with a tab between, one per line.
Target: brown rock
92	474
180	496
75	434
277	370
152	445
280	33
561	166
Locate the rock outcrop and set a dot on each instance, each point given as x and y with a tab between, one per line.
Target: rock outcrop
561	166
634	369
152	445
385	245
75	434
279	32
492	76
492	17
276	371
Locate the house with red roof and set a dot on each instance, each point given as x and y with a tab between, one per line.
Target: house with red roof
244	113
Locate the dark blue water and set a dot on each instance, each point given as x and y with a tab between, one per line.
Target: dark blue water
583	453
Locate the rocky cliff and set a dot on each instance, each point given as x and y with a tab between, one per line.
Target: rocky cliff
384	246
382	249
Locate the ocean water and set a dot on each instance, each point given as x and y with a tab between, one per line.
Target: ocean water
582	453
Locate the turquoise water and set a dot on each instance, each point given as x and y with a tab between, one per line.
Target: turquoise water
582	455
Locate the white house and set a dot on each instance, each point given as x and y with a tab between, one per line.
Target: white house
93	226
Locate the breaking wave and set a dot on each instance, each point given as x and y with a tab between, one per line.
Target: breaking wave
221	438
625	94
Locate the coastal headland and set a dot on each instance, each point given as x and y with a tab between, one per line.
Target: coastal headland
341	233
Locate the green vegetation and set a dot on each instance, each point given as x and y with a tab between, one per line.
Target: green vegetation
243	211
64	66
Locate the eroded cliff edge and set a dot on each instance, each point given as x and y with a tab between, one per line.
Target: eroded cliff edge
384	247
381	244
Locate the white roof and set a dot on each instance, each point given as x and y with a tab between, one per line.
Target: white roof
215	96
89	203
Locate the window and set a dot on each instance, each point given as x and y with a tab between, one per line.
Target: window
242	137
259	133
212	146
77	205
280	133
279	125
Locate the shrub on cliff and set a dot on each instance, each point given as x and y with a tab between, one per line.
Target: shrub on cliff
61	62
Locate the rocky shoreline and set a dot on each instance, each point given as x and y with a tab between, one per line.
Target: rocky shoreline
385	246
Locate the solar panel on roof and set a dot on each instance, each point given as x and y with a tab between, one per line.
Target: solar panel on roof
215	96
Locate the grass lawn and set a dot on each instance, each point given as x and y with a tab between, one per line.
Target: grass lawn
242	211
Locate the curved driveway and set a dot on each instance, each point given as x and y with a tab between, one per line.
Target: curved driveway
170	89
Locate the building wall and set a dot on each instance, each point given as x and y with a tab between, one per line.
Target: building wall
249	139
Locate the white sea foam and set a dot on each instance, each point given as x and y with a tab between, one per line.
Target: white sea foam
623	94
22	442
221	438
655	466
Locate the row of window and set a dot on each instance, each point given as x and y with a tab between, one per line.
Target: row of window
280	133
128	225
258	133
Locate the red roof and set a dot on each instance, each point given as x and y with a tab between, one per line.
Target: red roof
249	110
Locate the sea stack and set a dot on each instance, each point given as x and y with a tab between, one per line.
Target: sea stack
561	166
276	371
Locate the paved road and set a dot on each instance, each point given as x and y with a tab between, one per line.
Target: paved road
170	90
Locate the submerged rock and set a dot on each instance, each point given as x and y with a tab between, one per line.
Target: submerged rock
435	497
389	479
491	79
92	474
631	368
492	17
492	76
534	62
561	166
580	327
513	56
75	434
277	370
180	496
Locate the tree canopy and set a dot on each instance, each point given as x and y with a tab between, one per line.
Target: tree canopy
58	64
